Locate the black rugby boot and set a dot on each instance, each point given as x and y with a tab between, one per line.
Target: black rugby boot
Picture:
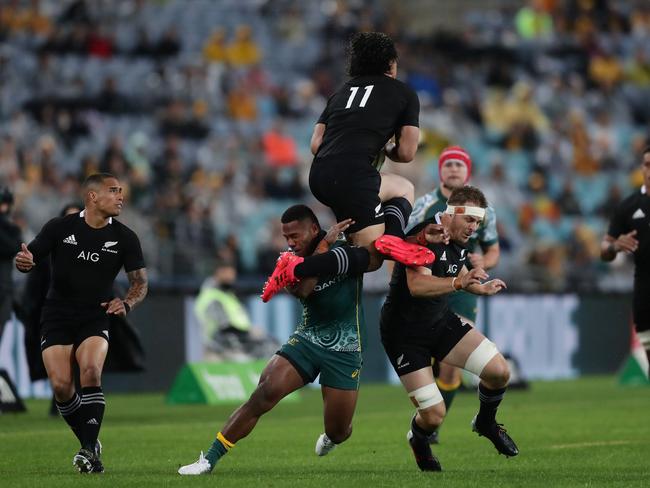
498	436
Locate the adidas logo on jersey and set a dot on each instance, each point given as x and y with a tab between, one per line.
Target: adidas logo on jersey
93	421
70	240
444	256
638	214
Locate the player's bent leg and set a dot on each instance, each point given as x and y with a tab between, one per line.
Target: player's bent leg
424	394
278	379
396	186
448	380
338	410
480	356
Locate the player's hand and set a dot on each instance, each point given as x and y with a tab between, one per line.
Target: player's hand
334	231
474	277
436	234
477	260
493	287
626	242
115	307
24	259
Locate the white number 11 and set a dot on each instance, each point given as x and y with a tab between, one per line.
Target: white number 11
366	95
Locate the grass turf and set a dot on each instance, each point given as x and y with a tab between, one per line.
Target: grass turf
588	432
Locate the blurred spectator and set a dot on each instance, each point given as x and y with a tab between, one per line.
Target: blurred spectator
533	21
226	328
567	200
243	50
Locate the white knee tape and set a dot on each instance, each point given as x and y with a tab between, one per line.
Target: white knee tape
427	396
480	356
644	337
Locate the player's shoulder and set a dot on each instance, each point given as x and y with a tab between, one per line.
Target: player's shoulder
631	201
123	229
63	222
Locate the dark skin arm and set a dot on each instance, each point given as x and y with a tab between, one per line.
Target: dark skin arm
137	291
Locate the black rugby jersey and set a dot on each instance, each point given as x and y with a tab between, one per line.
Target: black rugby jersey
404	307
364	114
85	261
633	213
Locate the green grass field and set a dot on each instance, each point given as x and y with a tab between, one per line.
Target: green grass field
589	432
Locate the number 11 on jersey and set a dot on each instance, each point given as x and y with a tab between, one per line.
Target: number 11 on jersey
364	99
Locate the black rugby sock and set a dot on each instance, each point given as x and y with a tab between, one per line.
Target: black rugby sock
490	400
419	431
338	261
92	414
396	214
70	410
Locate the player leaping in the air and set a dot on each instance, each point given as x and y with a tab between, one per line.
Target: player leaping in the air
350	140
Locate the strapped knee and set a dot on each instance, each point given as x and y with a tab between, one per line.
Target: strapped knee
480	356
426	396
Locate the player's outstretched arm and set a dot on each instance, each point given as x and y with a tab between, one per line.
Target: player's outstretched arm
472	282
423	284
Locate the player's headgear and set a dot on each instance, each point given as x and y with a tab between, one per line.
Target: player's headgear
456	153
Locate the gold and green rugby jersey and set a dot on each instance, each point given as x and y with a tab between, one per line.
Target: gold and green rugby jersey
332	314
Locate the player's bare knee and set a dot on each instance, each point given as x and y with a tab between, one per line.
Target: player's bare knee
90	375
433	416
429	403
265	396
408	191
63	388
497	373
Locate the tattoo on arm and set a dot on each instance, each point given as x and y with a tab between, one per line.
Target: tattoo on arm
138	286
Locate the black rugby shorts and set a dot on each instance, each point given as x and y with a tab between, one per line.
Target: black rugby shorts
410	346
350	187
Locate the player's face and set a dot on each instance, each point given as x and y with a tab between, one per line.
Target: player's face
453	174
645	168
109	198
299	234
462	227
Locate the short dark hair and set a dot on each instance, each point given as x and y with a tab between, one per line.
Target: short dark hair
299	212
370	53
646	150
96	178
460	196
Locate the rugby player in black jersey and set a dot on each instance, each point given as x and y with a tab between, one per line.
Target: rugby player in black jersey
417	324
629	232
372	116
87	249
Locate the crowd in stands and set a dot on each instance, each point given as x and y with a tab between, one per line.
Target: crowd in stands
204	111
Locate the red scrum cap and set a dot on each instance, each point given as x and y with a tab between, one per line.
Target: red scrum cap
456	153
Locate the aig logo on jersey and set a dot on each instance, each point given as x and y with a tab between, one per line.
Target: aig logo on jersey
88	256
